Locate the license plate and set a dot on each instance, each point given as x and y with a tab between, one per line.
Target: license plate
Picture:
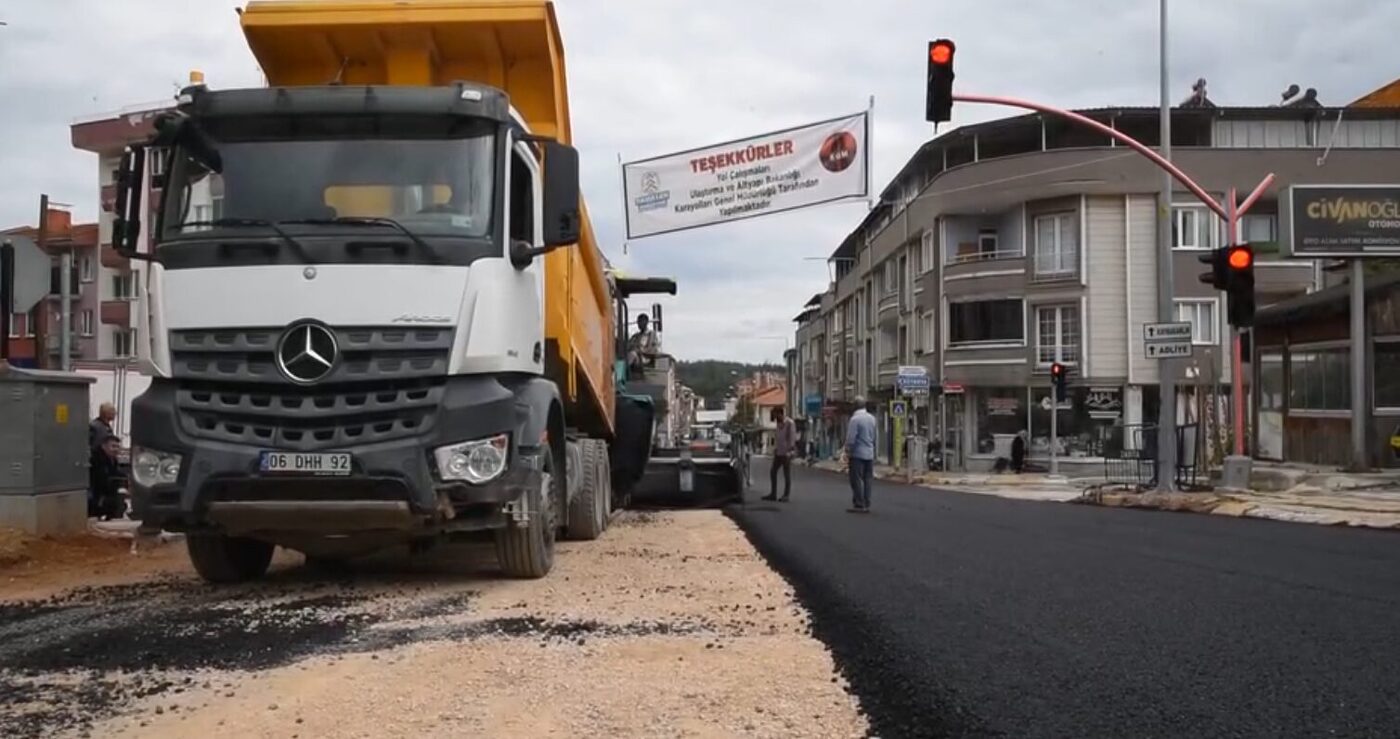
295	463
687	481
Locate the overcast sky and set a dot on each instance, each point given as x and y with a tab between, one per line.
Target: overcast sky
649	77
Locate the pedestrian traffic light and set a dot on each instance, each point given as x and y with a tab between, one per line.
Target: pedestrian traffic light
1239	284
1219	271
938	101
1059	376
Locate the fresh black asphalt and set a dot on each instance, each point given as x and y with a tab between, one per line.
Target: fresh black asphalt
956	614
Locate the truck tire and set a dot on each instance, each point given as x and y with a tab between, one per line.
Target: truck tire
592	504
228	559
528	551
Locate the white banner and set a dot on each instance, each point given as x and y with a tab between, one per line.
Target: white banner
775	172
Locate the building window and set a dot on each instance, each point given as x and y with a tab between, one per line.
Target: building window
1201	314
891	277
926	250
1320	380
1079	432
124	286
156	157
1387	374
987	322
926	337
1057	335
1271	380
85	322
1056	244
85	270
124	344
1262	227
16	327
1000	414
1193	227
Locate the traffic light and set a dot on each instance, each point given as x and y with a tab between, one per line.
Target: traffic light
1239	284
938	102
1219	271
1059	377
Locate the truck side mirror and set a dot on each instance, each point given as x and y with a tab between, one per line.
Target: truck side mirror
126	226
562	217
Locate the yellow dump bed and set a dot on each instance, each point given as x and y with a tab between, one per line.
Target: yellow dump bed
513	45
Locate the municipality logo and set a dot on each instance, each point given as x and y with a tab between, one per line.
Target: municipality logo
652	197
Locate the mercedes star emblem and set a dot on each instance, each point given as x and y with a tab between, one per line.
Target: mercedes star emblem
307	353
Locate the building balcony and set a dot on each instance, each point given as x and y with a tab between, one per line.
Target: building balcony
116	313
111	259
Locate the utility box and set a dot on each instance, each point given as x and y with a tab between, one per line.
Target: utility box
918	454
43	450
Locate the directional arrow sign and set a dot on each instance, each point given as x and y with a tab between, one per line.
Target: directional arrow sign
1173	350
1166	331
32	273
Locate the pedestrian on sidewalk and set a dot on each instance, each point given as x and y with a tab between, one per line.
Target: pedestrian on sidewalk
784	446
860	451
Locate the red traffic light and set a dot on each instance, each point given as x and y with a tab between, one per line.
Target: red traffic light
941	52
1057	369
1240	257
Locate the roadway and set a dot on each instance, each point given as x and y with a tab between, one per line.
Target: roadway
955	614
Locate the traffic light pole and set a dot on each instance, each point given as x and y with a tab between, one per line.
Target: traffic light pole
1232	222
1167	441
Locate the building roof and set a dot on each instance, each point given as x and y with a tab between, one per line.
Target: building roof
771	396
1327	303
1386	96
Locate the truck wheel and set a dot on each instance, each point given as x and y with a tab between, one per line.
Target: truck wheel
592	503
228	559
528	551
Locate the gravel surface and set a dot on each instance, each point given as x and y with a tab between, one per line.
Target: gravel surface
964	615
670	625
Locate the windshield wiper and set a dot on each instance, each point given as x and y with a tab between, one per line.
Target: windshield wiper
256	223
417	240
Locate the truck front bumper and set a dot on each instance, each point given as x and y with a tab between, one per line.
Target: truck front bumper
392	485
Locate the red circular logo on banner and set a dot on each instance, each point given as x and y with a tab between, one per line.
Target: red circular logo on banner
838	151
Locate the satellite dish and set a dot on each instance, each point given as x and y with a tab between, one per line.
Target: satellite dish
1290	92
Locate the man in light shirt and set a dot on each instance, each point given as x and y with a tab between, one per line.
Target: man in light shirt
860	455
784	446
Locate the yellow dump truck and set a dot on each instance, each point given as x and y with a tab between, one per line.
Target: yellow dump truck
376	312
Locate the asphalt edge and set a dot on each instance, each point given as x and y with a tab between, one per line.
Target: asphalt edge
878	673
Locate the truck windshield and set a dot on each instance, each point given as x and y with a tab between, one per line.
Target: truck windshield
431	186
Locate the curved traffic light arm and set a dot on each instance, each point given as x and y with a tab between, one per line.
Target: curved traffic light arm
1132	143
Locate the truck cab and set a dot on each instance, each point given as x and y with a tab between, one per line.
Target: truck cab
349	308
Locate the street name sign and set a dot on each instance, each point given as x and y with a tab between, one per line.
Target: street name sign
912	380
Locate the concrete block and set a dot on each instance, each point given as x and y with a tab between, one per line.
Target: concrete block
45	514
1236	472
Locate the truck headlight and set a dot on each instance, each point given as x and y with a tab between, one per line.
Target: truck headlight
476	462
150	467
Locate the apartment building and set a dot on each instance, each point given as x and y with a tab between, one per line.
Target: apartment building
119	283
35	336
1002	247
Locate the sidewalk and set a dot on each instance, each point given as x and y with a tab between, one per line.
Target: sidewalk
1281	493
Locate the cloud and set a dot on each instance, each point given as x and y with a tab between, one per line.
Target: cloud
651	77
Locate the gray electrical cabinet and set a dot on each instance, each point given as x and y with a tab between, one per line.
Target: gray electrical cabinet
43	450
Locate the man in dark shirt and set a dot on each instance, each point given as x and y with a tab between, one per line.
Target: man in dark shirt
104	480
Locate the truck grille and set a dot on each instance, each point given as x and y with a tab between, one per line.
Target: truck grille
387	385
